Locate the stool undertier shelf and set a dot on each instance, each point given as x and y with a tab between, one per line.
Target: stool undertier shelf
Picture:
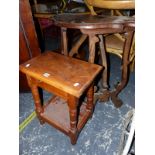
56	113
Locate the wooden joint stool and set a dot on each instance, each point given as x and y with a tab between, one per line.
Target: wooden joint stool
67	79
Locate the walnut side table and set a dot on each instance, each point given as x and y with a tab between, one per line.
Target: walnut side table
95	27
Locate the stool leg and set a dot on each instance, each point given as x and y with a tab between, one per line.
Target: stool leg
37	102
72	103
90	97
36	97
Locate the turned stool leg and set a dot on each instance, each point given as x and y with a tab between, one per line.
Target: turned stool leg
72	103
36	97
90	98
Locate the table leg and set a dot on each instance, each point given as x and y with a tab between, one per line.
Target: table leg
64	41
104	62
93	39
77	45
125	71
104	90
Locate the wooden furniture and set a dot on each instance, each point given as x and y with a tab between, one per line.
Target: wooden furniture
112	4
114	43
28	42
67	78
94	27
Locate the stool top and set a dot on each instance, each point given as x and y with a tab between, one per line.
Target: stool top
92	22
68	74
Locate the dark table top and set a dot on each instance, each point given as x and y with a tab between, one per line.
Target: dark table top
91	22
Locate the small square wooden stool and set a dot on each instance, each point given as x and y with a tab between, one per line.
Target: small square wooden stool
67	78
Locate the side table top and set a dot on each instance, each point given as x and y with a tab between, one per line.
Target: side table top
91	22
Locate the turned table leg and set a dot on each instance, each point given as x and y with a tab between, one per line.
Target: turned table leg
72	104
125	71
36	97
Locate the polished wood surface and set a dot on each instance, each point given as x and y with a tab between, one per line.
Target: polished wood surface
52	66
112	4
67	78
91	22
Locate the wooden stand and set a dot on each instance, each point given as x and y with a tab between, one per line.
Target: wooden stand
95	27
67	78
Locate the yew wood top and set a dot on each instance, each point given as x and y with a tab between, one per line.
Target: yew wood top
92	22
68	74
112	4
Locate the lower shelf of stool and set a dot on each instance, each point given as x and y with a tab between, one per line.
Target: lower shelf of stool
56	113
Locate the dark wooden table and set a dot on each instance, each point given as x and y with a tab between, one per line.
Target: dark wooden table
95	27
